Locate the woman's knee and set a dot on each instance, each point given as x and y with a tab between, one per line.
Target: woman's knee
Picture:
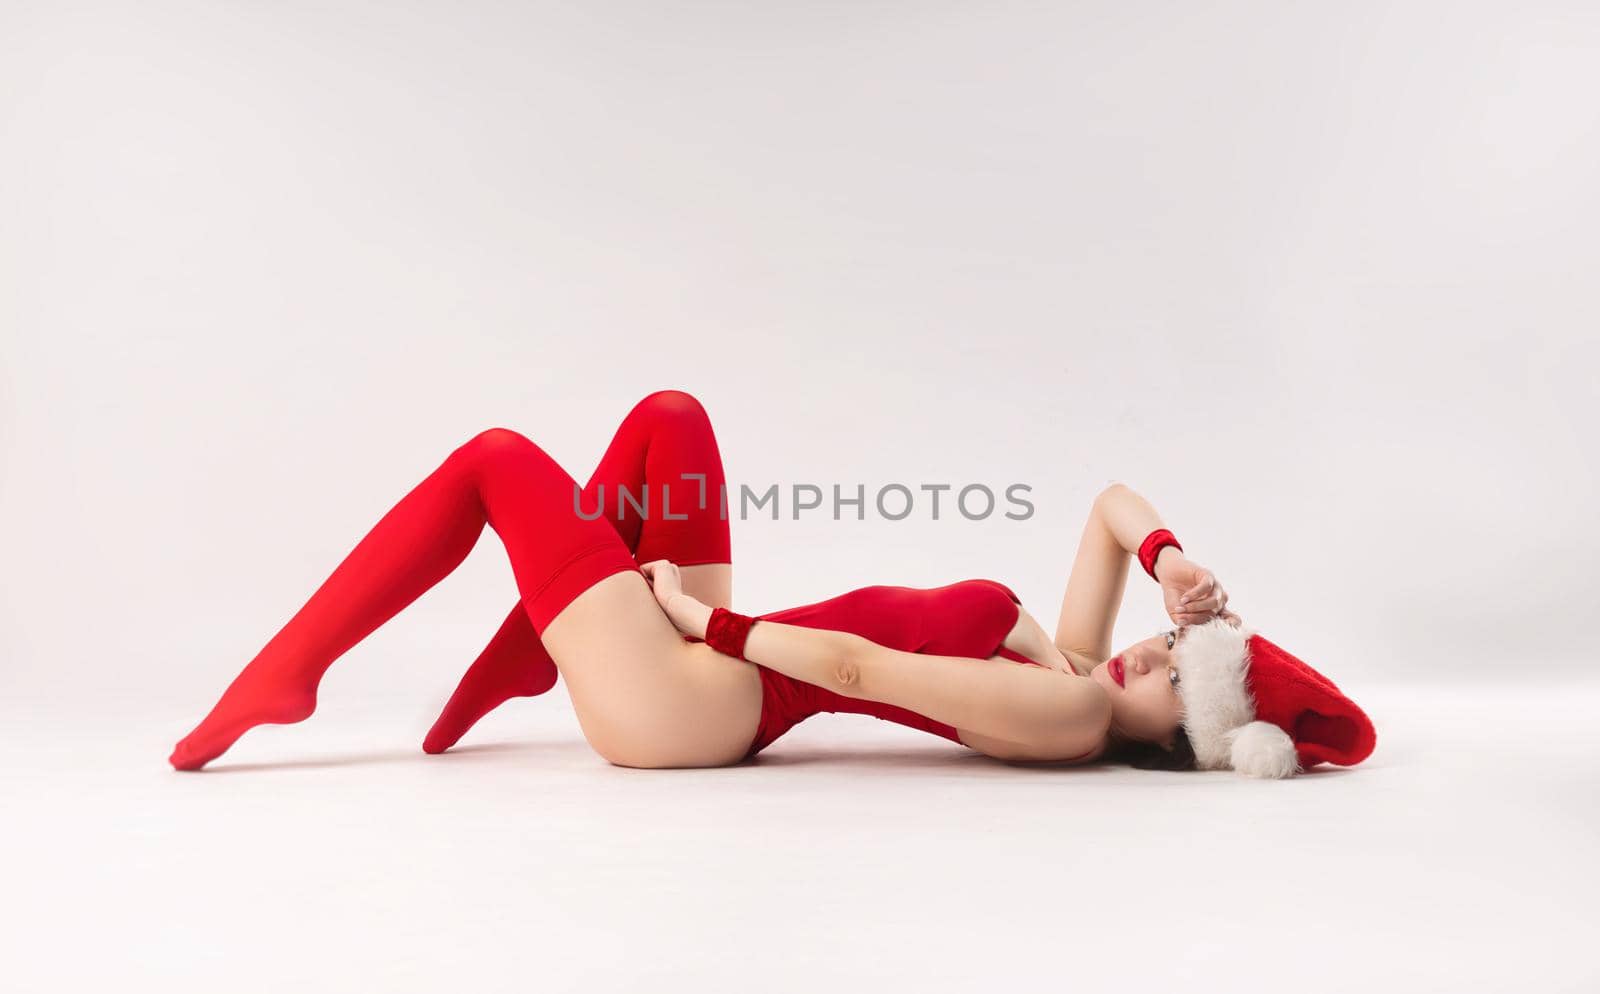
494	444
673	405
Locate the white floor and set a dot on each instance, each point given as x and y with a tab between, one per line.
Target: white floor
855	855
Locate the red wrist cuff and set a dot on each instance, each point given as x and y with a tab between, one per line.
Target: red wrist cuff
726	632
1151	547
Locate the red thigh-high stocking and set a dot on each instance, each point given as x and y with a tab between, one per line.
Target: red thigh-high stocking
665	457
497	478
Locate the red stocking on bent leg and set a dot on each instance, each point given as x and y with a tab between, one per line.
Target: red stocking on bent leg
497	478
659	454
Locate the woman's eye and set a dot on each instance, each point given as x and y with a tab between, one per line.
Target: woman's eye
1172	676
1172	640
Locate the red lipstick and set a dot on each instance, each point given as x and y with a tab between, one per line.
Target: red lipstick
1115	668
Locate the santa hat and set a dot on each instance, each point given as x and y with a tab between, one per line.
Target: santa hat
1252	707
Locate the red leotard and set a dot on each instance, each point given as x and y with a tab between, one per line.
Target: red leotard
970	618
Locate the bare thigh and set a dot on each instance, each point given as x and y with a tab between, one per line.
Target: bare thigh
645	697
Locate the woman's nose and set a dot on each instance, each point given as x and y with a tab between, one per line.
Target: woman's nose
1140	666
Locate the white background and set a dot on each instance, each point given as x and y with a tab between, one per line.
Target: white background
1318	280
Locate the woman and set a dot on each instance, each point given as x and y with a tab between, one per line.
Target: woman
649	692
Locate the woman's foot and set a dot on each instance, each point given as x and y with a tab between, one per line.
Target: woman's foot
252	699
493	679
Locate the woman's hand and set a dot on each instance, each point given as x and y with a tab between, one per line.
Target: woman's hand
664	578
1192	593
687	614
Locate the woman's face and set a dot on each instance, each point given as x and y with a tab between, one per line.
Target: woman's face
1143	685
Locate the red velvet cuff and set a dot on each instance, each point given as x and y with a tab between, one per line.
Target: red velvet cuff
1151	547
726	632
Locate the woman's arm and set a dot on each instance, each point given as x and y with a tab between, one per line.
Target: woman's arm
1118	523
1046	714
1029	638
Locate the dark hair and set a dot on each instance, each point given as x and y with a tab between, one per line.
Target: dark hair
1150	755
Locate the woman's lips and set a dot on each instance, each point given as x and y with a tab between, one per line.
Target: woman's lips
1115	666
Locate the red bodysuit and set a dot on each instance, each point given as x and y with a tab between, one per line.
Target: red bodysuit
970	618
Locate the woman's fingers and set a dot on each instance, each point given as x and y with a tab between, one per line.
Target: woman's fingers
1202	609
1201	612
654	566
1200	590
658	572
1207	596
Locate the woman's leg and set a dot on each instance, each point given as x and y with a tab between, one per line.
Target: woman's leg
561	563
665	456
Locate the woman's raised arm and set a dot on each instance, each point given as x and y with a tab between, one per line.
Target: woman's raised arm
1118	522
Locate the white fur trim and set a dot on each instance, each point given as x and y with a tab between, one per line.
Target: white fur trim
1262	749
1213	660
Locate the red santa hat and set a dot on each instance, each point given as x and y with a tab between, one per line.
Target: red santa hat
1250	706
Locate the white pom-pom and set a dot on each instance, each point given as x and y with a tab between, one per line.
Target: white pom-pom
1262	749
